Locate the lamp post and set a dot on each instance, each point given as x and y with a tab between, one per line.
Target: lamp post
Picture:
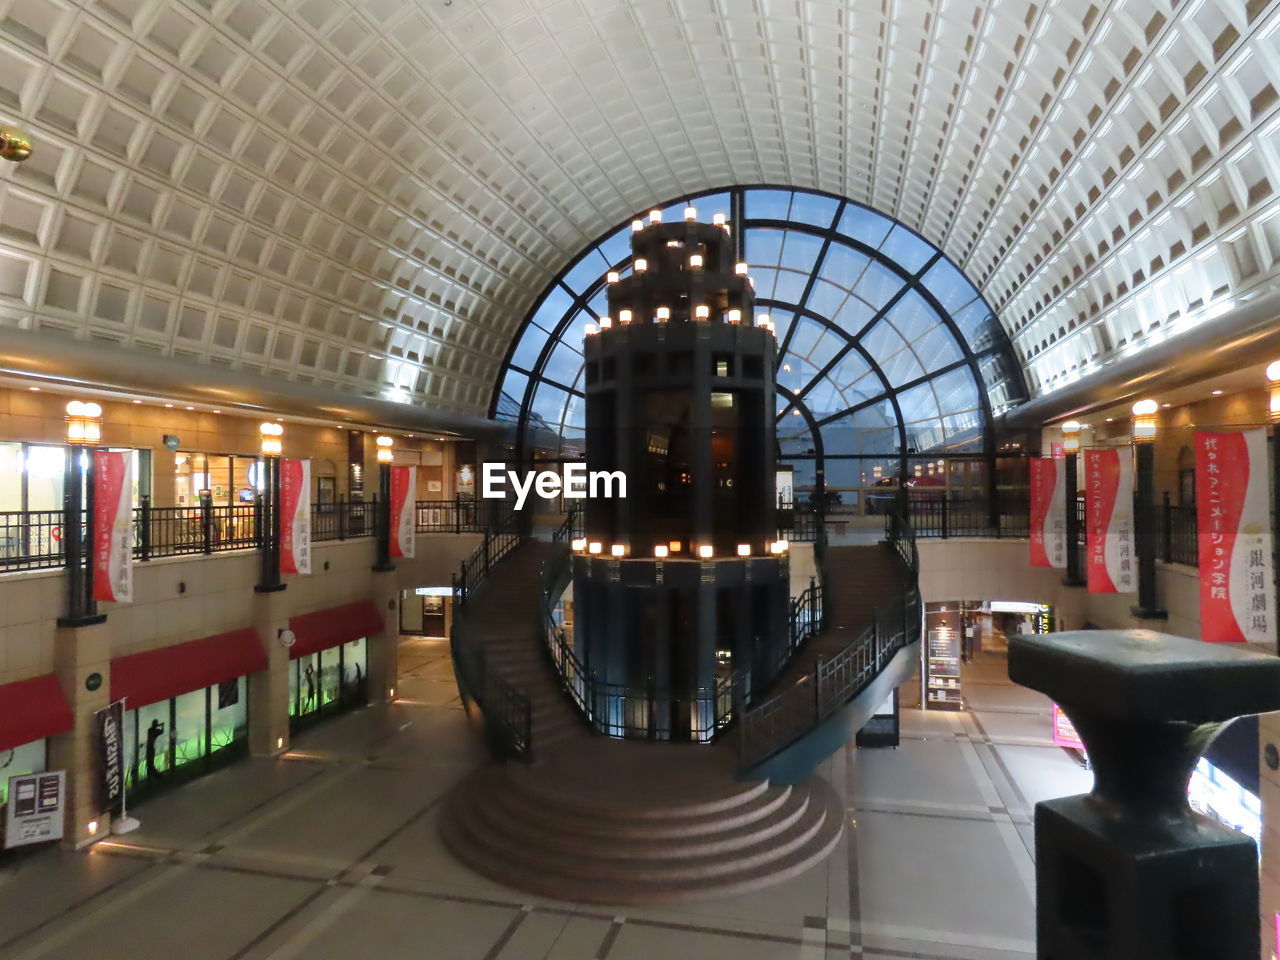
1071	452
84	432
271	445
385	455
1145	429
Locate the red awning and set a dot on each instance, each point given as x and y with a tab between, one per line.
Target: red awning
328	628
32	710
160	674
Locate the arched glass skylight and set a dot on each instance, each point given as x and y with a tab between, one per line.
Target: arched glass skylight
886	351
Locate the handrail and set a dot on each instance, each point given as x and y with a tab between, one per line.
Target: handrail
639	711
792	713
508	713
34	539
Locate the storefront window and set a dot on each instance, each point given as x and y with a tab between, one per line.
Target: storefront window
229	478
186	732
190	726
31	475
19	761
229	720
333	679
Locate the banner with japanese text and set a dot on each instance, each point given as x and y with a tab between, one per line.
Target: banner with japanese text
403	508
1048	513
113	526
1109	539
295	516
1234	532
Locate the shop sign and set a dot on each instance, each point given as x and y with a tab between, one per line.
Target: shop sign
109	725
1234	528
1048	513
36	808
1064	731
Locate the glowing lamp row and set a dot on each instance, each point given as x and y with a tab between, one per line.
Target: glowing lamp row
663	550
690	215
663	314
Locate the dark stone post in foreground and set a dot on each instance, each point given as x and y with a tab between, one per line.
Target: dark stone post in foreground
1130	871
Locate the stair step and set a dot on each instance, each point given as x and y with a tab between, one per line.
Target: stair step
560	879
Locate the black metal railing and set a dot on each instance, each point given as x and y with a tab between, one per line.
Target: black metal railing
507	713
801	525
639	711
31	539
940	515
34	540
791	714
1177	534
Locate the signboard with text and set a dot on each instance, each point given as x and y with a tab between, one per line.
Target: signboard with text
1048	513
1234	532
36	808
1109	540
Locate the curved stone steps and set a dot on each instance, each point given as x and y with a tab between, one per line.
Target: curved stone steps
554	836
722	860
557	819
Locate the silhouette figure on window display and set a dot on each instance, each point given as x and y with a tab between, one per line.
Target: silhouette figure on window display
359	690
154	733
310	675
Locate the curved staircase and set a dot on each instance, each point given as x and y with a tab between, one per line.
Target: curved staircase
592	819
634	823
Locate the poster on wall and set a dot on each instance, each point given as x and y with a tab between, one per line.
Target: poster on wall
1234	524
295	516
109	734
1109	540
113	526
1048	513
36	807
1064	731
403	508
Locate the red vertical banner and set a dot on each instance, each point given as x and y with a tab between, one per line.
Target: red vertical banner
112	526
1109	539
295	516
403	510
1048	513
1234	529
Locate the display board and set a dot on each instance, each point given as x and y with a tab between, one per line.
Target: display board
35	808
942	674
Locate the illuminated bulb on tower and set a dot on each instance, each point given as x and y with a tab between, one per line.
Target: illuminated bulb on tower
624	316
663	314
637	226
702	312
717	220
695	261
740	269
655	216
611	276
691	213
733	316
641	265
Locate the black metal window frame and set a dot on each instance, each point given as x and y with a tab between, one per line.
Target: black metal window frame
971	358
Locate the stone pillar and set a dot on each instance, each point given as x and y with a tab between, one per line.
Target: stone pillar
448	614
269	688
78	653
383	647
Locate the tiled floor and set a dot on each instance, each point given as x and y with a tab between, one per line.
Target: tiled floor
332	853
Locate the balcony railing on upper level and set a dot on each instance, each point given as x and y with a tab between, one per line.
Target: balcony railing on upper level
33	539
938	515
